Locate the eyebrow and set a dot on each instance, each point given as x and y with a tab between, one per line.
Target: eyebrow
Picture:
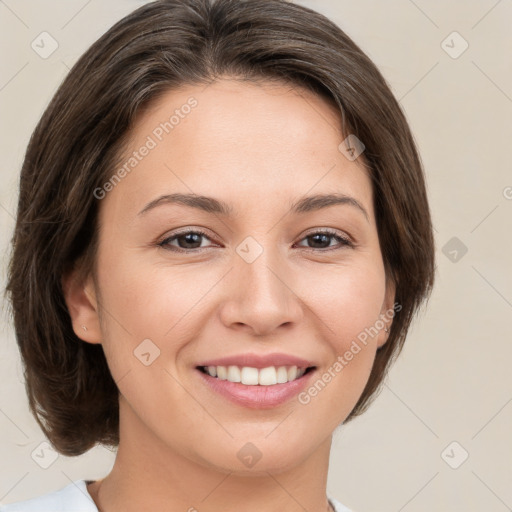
212	205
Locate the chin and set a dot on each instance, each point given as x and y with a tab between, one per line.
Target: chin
258	456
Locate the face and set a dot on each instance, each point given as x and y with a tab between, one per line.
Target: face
254	272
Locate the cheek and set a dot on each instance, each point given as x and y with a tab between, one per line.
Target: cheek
158	300
147	299
348	299
350	307
348	302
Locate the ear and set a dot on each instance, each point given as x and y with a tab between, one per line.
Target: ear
387	311
81	299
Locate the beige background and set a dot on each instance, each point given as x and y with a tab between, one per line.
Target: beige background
452	382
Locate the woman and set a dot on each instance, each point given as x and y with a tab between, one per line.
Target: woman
222	237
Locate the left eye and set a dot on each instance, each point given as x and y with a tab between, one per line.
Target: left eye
187	239
321	237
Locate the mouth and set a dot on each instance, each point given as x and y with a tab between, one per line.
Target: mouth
250	376
256	388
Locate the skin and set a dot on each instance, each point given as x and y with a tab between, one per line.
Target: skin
258	147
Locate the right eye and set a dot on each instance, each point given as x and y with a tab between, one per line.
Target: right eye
186	238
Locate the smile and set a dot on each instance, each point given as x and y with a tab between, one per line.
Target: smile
256	388
250	376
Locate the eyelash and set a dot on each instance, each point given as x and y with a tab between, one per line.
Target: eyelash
345	242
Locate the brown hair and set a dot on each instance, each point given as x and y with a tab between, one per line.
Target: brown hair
77	143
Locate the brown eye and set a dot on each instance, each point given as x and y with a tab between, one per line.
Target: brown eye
187	240
191	241
321	240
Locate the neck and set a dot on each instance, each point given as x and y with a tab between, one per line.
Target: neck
150	475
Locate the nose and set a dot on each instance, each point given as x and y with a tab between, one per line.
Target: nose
260	297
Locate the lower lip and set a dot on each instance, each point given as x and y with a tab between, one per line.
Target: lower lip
257	397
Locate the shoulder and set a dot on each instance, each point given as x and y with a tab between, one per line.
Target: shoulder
75	498
338	507
72	498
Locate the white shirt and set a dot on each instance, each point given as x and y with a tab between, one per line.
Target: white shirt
75	498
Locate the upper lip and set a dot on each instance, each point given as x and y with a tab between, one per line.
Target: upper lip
259	361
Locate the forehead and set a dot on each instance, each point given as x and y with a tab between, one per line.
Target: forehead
246	143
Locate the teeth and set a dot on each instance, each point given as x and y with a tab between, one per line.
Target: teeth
249	376
282	375
234	374
222	373
292	373
267	376
254	376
